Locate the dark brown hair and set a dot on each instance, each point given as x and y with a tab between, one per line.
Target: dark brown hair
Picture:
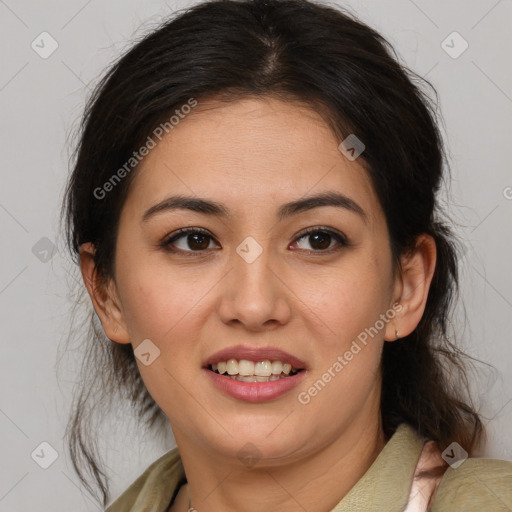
294	50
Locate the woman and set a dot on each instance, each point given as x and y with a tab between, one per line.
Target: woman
253	207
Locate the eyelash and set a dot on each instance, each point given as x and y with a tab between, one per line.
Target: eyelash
166	243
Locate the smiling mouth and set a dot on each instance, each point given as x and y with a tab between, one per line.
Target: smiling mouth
249	371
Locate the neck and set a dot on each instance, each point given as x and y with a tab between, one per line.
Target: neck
330	474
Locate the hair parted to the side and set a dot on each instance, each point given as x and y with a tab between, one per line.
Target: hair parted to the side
297	51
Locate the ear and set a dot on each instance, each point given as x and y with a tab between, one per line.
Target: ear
104	297
411	287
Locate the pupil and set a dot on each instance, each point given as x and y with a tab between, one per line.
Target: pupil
200	237
325	237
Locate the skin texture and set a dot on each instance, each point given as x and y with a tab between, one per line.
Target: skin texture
253	155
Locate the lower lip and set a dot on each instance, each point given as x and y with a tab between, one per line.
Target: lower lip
255	391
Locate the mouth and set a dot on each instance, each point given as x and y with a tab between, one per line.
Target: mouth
249	364
245	370
254	374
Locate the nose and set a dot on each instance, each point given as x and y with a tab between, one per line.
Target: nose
254	294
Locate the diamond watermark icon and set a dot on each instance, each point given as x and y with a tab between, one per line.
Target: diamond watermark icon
44	45
249	249
455	455
454	45
146	352
352	147
249	455
45	455
44	249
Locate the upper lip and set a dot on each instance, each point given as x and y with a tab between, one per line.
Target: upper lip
255	354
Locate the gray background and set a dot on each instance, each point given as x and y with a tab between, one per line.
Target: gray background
41	101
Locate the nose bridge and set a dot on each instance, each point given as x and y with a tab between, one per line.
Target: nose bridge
254	295
251	263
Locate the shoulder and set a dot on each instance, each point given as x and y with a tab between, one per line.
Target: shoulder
476	485
155	486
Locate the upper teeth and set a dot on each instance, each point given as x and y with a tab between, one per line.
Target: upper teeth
244	367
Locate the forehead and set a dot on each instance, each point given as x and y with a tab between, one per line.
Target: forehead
252	152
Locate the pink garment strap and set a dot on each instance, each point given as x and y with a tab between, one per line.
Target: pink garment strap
423	488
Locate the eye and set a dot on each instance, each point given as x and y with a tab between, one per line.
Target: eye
320	239
195	240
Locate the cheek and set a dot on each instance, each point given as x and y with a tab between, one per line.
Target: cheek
349	299
347	361
156	305
165	310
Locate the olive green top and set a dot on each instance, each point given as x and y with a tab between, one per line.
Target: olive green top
477	485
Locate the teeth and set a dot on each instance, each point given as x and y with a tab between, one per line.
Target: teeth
232	367
256	378
246	368
263	368
249	369
277	367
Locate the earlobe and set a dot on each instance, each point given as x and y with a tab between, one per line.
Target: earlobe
417	271
104	297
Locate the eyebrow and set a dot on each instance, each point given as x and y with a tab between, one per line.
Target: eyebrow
213	208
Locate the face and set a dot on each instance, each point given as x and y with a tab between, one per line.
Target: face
309	294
